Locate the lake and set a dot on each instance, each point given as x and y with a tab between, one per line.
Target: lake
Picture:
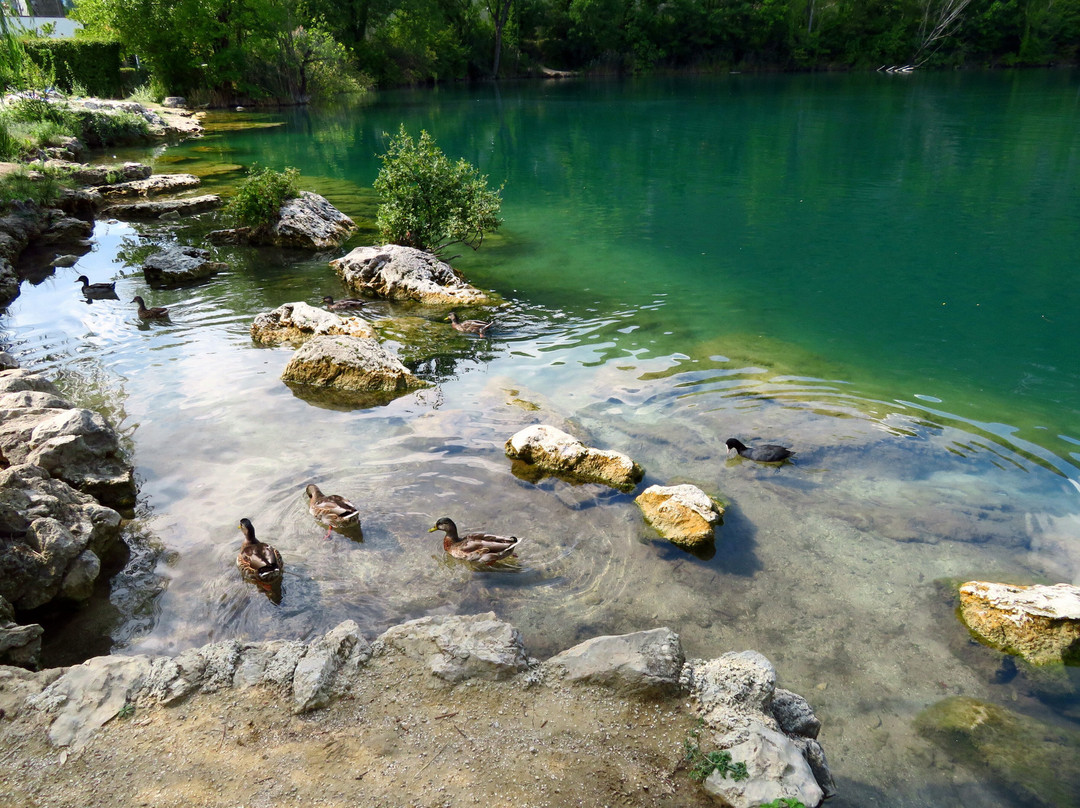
878	271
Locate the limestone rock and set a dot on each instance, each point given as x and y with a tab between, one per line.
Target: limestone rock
88	695
777	770
1041	623
648	662
352	364
405	273
155	210
95	176
297	322
65	230
339	653
556	452
732	688
150	186
459	647
307	222
180	266
174	102
683	514
19	645
794	714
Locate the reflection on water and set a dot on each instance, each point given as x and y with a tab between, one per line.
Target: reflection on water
838	566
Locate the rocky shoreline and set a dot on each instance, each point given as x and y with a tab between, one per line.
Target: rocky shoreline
442	710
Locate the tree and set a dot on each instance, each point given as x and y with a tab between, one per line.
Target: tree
500	13
428	202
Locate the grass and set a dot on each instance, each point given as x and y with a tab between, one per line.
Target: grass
41	185
32	123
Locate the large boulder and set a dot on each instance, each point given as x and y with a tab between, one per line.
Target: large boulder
298	322
19	645
1040	623
554	452
307	222
352	364
54	538
404	273
683	514
330	665
179	266
776	770
458	647
645	662
73	444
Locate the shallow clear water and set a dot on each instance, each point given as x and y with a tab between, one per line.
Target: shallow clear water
875	270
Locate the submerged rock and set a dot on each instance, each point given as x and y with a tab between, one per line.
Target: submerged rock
683	514
298	322
1040	623
555	452
1039	760
351	364
404	273
180	266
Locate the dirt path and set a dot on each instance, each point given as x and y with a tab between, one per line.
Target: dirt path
402	739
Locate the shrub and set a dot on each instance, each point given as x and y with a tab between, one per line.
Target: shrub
92	62
428	202
259	197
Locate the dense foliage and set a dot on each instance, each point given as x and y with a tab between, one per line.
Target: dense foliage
222	51
429	202
89	64
259	197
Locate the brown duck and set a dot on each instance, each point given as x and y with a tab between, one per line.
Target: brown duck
257	558
332	509
153	313
480	547
469	326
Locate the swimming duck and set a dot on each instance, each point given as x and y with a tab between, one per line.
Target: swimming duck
765	453
342	305
256	558
96	289
481	547
154	313
469	326
331	509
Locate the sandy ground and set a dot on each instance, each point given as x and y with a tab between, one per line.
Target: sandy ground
403	738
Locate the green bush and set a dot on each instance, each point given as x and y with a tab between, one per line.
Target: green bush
259	197
428	202
92	62
34	122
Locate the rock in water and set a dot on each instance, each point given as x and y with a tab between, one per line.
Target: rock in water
404	273
683	514
558	453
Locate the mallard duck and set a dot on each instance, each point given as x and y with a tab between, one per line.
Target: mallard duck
257	558
331	509
96	289
765	453
481	547
342	305
469	326
154	313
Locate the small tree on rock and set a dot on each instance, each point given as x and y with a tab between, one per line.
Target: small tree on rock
428	202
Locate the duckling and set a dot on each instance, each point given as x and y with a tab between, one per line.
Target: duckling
469	326
481	547
332	510
765	453
257	558
96	289
154	313
342	305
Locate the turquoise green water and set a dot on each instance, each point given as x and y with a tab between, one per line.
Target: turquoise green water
875	270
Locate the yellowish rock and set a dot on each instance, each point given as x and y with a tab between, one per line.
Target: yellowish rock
555	452
1040	623
683	514
295	323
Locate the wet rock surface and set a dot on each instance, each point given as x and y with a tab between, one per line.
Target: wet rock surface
404	273
349	364
683	514
1040	623
295	323
180	266
156	210
555	452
